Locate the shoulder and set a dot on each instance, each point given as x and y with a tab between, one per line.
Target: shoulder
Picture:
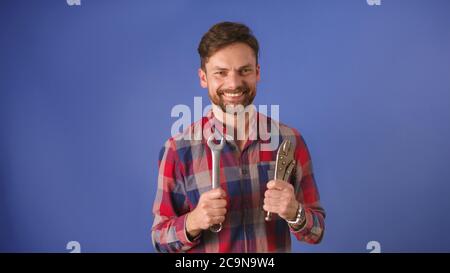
284	131
184	142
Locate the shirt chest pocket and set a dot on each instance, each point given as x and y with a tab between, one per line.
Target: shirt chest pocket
271	170
266	171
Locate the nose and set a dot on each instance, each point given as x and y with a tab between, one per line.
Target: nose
234	80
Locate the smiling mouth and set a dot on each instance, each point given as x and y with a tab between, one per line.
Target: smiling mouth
233	95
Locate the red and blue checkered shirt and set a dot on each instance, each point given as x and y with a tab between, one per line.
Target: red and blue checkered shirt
185	173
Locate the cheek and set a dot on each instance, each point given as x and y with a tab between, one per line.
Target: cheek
213	85
254	81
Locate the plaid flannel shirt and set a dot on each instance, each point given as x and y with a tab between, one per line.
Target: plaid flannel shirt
185	173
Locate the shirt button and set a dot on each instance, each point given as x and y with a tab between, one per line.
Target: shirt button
244	171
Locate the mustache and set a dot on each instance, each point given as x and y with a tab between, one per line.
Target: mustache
243	89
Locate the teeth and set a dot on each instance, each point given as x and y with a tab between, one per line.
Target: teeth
233	94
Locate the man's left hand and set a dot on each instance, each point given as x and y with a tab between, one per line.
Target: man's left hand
280	198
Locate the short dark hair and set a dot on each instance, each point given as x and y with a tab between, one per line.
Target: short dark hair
223	34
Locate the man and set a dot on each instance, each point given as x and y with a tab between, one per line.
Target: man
186	206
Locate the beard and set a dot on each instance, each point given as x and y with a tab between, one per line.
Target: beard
248	95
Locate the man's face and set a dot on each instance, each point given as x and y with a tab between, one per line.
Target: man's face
231	76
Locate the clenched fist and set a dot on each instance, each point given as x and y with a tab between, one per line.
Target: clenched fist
280	198
210	210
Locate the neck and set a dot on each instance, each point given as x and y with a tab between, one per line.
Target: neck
238	123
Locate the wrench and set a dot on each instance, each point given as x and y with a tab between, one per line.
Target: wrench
215	151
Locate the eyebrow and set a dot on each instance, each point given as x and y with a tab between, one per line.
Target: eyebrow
222	68
245	66
219	68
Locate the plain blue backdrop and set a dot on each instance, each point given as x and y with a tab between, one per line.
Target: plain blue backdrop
86	94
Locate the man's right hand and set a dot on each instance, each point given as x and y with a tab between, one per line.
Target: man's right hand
210	210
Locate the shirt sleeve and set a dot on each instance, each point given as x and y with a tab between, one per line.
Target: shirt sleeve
170	208
308	195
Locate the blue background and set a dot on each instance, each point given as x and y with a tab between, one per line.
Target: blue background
86	93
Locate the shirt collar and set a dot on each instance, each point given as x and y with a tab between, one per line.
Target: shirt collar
260	125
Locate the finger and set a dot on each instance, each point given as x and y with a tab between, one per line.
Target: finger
218	203
273	194
287	197
271	202
277	185
274	197
218	219
271	184
217	212
270	208
216	193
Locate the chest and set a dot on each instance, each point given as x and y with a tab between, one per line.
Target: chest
243	175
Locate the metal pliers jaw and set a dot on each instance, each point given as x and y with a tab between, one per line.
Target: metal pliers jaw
284	164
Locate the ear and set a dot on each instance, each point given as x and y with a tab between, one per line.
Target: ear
202	77
258	73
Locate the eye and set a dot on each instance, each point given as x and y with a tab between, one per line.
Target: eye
246	70
220	73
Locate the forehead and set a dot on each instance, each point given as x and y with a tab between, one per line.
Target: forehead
231	56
